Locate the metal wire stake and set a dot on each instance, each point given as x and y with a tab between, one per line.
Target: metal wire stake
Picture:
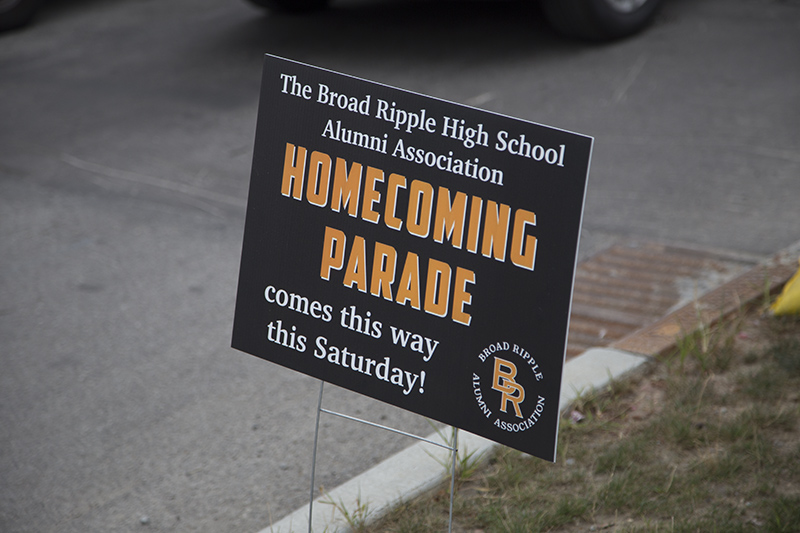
453	477
314	458
453	447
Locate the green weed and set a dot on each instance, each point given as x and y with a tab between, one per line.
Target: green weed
357	517
784	516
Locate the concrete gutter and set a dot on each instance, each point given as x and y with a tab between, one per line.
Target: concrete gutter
423	467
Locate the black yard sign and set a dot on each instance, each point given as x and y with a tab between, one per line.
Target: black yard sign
413	250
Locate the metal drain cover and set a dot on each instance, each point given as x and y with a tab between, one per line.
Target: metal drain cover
630	286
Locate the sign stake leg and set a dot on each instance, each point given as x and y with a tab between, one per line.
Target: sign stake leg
314	458
453	477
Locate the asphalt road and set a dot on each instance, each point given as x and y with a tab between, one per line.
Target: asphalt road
126	134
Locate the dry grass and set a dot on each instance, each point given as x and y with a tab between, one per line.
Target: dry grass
705	440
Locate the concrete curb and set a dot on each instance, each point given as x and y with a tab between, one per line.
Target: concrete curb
422	466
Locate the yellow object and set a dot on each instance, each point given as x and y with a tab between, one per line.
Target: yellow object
788	302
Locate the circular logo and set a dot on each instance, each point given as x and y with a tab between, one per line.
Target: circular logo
505	387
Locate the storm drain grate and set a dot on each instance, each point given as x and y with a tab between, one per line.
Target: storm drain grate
630	286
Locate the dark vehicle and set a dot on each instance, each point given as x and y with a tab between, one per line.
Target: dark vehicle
16	13
585	19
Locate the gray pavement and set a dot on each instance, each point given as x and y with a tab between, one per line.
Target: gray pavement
126	133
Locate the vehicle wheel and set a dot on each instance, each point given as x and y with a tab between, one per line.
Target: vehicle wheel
600	19
290	6
16	13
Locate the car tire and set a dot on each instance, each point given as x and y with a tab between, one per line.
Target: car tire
600	20
17	13
291	6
